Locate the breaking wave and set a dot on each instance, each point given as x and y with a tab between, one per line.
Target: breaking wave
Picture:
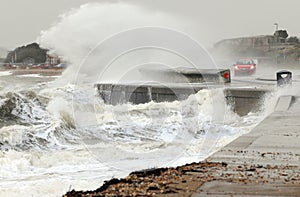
50	132
47	119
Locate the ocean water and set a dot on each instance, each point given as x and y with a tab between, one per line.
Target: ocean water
54	138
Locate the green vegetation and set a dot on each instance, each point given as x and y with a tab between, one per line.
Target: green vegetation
32	51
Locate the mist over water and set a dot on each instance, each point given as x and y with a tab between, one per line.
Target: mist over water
115	41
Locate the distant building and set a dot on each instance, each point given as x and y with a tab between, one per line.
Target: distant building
53	60
276	48
263	42
32	54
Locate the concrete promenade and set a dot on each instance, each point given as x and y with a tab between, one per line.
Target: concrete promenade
264	162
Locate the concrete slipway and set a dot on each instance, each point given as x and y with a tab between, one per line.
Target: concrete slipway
264	162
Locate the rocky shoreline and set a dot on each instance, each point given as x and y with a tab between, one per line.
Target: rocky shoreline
186	180
182	181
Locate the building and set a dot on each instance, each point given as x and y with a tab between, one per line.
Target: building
263	42
32	54
52	60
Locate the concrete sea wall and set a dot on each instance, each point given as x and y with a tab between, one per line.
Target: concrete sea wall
242	100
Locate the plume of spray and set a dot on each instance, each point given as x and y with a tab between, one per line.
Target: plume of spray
81	30
90	36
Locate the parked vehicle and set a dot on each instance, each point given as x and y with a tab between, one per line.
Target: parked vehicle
60	66
244	67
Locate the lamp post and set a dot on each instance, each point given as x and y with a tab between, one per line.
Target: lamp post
276	41
276	29
276	32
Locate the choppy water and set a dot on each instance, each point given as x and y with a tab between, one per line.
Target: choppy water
56	138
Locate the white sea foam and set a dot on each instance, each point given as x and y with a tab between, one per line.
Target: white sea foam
5	73
36	76
122	138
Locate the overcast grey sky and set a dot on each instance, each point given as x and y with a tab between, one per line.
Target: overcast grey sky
22	20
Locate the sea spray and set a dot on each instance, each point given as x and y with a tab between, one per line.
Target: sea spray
82	29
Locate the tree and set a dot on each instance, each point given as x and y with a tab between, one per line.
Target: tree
281	34
293	39
32	50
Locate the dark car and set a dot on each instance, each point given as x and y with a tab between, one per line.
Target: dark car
244	67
